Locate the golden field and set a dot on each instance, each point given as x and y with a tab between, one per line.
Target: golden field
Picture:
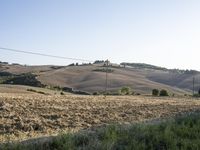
30	115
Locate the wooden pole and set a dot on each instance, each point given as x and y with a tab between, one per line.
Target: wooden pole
106	84
193	85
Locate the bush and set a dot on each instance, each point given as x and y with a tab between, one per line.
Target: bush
107	93
31	90
155	92
196	95
58	88
24	79
96	93
61	93
164	93
137	94
125	90
103	70
40	92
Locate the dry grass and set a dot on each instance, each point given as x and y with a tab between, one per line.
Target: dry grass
85	79
25	116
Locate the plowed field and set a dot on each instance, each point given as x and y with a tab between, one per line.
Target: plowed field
24	116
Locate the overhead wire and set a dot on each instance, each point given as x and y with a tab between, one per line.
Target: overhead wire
42	54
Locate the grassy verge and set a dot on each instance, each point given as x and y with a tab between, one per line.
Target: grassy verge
180	133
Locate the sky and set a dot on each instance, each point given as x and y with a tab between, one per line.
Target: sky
157	32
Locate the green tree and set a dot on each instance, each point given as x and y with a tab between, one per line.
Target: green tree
125	90
155	92
164	93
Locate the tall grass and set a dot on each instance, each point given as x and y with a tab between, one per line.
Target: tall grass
182	133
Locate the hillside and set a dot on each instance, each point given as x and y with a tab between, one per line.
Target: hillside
91	77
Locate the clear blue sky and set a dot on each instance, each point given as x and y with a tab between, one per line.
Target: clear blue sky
159	32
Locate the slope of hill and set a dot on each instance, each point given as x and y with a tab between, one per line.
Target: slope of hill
90	78
173	77
28	90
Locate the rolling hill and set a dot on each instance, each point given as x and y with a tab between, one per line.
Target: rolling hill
142	78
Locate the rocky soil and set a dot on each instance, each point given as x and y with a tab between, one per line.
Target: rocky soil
24	116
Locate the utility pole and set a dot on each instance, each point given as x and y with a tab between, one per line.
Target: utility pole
193	85
106	84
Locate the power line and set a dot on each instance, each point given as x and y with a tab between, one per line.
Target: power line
42	54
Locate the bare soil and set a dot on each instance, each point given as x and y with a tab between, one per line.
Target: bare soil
24	116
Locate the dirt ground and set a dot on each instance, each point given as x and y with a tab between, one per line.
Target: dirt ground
24	116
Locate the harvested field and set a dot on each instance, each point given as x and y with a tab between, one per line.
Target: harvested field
24	116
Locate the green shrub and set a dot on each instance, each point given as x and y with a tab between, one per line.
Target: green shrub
40	92
196	95
96	93
137	94
155	92
107	93
31	90
164	93
58	88
23	79
103	70
125	90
